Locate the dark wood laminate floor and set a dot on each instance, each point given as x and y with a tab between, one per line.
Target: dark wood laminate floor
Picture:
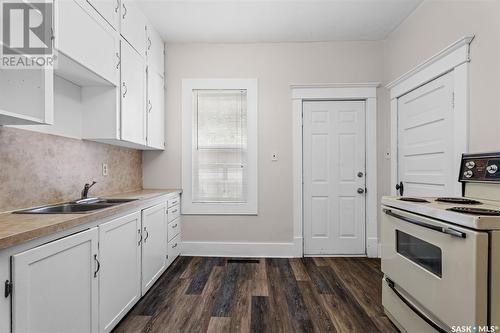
198	294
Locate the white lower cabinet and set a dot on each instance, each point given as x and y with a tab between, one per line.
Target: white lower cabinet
154	241
56	286
88	281
120	274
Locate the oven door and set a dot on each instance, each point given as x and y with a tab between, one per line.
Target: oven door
441	267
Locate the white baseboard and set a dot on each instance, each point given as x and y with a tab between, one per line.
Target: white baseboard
237	249
372	247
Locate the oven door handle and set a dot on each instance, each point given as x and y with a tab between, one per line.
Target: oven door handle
419	313
449	231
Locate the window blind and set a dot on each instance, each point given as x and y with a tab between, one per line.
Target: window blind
219	146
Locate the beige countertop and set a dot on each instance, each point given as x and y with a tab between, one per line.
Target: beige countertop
18	228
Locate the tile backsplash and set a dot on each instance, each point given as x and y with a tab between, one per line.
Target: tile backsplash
38	168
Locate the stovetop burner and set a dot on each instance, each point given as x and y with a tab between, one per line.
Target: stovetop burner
463	201
475	211
412	199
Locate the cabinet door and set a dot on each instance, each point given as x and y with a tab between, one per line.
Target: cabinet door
109	10
133	113
154	244
87	39
156	110
120	274
155	51
133	26
56	286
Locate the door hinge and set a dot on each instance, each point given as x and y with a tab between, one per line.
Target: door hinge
8	288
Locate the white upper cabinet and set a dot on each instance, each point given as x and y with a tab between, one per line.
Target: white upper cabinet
155	51
26	96
88	46
109	10
56	286
156	111
133	26
133	96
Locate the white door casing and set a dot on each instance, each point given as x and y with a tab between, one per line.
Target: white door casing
56	286
334	174
454	59
425	139
366	92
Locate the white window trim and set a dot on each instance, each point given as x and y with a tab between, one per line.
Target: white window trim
454	58
188	206
340	91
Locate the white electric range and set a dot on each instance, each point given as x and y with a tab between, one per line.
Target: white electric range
441	256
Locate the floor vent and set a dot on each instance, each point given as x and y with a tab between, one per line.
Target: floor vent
243	261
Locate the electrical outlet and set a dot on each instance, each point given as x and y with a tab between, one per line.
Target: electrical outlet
274	157
104	169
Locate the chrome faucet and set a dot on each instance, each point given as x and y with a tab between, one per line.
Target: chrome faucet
86	188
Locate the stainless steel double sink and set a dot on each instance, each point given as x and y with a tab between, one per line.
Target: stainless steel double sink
76	207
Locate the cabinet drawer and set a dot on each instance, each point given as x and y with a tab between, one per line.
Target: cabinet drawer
173	213
174	201
174	248
174	228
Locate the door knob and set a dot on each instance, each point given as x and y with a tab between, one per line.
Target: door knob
361	190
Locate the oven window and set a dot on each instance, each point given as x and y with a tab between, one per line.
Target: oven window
420	252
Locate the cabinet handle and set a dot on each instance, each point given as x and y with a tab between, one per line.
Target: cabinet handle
98	265
174	211
119	60
140	237
150	106
174	203
124	11
174	246
125	89
147	234
149	43
174	226
117	6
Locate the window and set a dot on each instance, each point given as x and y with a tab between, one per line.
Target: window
219	155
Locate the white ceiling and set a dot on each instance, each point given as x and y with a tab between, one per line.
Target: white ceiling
253	21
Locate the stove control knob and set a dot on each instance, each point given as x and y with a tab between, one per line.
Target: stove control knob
470	164
468	174
493	168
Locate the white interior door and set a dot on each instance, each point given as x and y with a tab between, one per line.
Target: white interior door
425	140
334	177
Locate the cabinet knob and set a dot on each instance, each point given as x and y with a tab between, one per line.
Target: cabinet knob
124	11
117	6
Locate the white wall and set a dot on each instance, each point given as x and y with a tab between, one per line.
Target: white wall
276	66
430	28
